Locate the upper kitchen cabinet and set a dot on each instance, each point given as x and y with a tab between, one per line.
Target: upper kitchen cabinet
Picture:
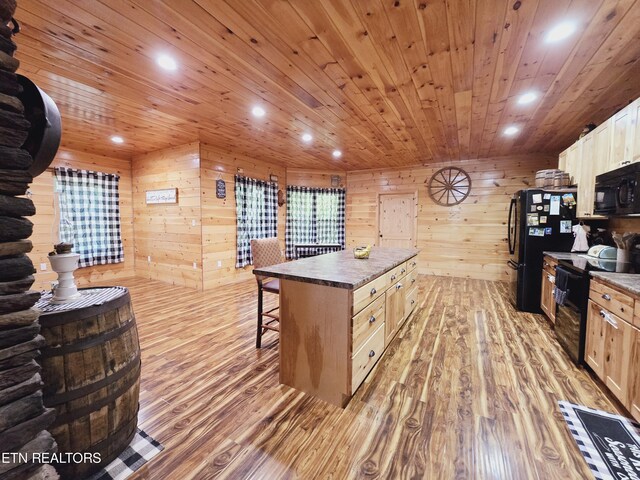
573	163
594	159
624	125
635	130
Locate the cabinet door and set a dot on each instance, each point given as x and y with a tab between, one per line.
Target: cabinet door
618	336
623	125
562	160
602	148
634	376
573	162
586	177
394	310
547	300
594	343
635	137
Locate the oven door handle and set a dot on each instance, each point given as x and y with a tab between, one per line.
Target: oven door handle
610	321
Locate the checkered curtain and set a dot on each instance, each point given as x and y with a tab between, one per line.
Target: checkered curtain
256	215
314	215
89	205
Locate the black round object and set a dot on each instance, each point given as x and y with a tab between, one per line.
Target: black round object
45	132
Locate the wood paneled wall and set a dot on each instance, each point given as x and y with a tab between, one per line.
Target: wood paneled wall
45	230
314	178
168	237
466	240
219	214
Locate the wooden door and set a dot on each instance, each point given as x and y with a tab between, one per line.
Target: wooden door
622	137
394	311
397	220
602	148
618	337
635	137
547	300
573	162
634	375
594	342
562	160
586	177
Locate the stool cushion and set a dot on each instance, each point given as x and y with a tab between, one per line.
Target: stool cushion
272	286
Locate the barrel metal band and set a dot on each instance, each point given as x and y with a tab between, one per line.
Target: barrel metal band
88	342
94	407
65	397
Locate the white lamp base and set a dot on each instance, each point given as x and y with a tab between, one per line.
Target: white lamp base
64	265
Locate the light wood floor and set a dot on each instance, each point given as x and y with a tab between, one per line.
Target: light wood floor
469	389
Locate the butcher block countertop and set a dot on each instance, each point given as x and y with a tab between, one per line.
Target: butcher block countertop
340	269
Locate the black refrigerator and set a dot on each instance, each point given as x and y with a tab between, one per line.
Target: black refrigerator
539	220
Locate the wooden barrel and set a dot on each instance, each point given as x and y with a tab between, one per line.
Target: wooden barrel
91	375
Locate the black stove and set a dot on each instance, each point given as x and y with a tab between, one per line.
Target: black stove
571	316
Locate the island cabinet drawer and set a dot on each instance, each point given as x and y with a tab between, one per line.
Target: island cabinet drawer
614	301
396	274
364	295
412	263
367	321
410	301
412	280
364	359
549	264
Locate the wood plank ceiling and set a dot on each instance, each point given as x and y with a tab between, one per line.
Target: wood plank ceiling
388	82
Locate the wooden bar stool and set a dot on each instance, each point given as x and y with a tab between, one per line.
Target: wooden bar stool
266	252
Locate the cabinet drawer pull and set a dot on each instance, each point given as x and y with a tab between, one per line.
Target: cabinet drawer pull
402	271
372	353
413	264
550	278
606	296
373	291
412	302
608	318
546	264
398	286
372	319
393	277
413	280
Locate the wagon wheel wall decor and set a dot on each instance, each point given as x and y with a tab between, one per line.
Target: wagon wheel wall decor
449	186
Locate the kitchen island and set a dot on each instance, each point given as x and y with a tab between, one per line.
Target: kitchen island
338	314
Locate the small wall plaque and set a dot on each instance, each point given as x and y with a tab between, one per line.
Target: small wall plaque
221	189
167	195
273	178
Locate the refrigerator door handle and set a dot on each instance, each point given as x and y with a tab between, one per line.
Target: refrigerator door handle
512	214
513	265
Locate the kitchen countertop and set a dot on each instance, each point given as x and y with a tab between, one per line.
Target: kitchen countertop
564	255
340	269
627	281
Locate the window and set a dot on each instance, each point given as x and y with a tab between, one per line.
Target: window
89	206
256	215
314	215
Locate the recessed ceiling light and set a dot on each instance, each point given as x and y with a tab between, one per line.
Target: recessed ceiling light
336	154
307	137
258	111
117	139
166	62
511	130
527	98
560	32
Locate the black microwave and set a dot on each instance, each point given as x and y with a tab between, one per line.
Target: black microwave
618	191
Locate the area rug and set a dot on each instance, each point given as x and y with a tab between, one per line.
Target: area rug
609	443
141	449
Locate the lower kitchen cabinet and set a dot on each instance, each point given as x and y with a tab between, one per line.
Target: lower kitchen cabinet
612	349
547	297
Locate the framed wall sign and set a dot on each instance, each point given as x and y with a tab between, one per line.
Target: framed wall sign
167	195
221	189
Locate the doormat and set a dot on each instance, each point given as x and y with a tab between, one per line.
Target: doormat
609	443
141	449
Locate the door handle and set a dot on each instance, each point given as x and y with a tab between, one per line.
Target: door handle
609	320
